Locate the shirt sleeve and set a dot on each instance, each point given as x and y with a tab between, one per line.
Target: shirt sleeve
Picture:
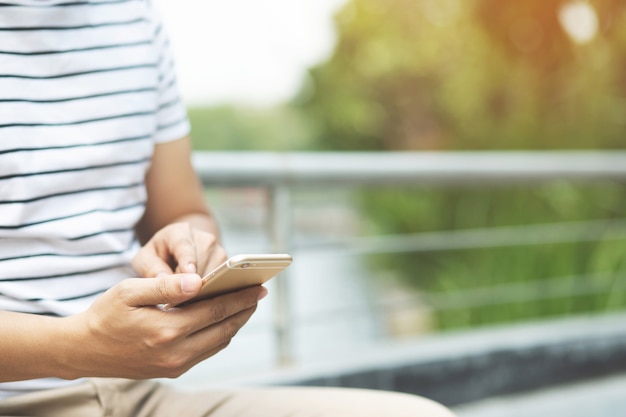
172	121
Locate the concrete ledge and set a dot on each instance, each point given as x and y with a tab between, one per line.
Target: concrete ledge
603	397
462	367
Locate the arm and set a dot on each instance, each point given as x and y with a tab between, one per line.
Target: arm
124	334
178	230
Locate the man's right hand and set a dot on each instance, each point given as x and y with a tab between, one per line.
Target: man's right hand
128	334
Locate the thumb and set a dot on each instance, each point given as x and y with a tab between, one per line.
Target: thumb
167	289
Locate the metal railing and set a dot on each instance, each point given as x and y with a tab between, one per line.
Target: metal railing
281	173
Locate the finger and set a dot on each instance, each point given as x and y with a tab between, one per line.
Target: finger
183	249
209	341
148	264
170	289
216	257
205	313
209	253
194	359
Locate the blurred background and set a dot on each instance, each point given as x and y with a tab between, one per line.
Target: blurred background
414	76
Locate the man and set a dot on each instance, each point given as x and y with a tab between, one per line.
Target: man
95	176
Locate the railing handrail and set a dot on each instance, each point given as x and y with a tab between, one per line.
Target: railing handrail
474	238
229	168
278	172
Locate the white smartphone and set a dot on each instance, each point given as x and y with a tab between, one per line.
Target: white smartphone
242	271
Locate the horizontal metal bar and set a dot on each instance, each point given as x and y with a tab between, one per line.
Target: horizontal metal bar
391	168
532	234
537	290
467	298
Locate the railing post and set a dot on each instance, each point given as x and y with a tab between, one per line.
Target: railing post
280	233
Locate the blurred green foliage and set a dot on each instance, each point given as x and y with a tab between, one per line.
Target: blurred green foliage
471	74
249	129
559	278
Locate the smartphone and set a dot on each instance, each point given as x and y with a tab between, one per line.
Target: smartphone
242	271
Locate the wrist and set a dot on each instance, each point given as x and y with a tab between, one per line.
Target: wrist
68	352
34	346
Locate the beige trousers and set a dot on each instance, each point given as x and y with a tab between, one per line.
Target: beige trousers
124	398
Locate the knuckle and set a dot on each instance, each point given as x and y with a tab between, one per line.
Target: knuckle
228	330
207	242
162	289
164	337
173	374
211	239
136	263
173	366
170	228
221	346
250	298
219	311
251	310
204	236
183	240
125	291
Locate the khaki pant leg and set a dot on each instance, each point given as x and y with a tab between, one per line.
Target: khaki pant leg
326	402
124	398
291	402
76	401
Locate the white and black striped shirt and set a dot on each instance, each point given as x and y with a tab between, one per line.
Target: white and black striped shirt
86	90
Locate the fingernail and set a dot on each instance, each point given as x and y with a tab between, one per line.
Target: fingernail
189	283
191	268
262	294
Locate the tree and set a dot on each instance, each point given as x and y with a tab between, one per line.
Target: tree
471	74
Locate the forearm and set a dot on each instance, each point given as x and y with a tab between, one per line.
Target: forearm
35	346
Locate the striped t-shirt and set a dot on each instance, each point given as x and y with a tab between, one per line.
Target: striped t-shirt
86	90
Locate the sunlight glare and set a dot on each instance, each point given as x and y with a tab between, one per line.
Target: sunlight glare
580	21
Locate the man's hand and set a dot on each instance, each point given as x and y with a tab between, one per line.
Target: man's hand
128	334
179	248
178	229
